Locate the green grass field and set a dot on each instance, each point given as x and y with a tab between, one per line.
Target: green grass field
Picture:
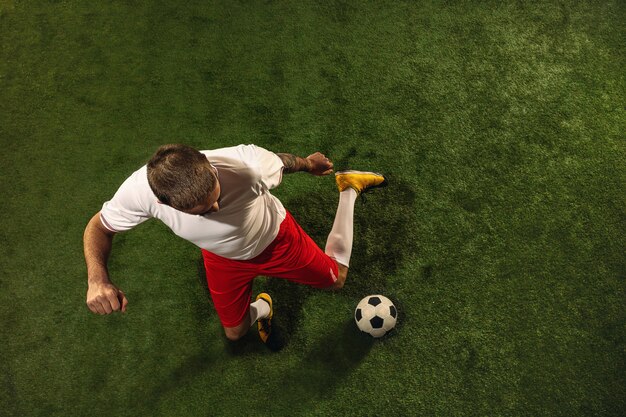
501	238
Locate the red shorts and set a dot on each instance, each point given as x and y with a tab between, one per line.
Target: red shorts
293	255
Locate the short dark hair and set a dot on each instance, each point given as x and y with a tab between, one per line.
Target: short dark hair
180	176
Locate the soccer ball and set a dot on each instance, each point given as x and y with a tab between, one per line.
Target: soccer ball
375	315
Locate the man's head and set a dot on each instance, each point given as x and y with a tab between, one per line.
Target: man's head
183	178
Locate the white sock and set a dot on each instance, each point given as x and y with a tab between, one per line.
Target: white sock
339	242
260	309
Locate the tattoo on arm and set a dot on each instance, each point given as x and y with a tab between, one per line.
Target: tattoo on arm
293	163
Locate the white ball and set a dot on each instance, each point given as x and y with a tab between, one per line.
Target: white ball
375	315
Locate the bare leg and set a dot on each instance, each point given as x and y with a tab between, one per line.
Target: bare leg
239	331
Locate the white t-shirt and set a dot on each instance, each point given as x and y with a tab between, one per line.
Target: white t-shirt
249	216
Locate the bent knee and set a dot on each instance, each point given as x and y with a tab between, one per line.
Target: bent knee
337	285
341	278
235	333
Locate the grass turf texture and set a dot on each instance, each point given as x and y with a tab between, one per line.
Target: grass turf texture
500	239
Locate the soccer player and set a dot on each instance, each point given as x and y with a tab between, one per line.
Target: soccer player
220	200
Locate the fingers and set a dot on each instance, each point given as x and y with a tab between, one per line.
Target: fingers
123	300
95	308
100	307
106	303
327	168
319	157
114	302
321	164
324	170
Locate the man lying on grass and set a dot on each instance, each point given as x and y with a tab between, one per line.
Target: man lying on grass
220	201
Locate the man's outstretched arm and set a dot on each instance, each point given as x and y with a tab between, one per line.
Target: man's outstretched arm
315	164
102	296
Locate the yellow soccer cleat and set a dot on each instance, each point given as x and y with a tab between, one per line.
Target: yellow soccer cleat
265	325
359	181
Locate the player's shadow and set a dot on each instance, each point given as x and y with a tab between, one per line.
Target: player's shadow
288	300
382	231
338	353
194	365
326	365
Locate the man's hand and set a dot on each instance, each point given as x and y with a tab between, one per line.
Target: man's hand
319	164
104	298
316	164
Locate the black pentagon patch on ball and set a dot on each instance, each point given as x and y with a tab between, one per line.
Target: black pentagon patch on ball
392	311
374	301
358	314
377	322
